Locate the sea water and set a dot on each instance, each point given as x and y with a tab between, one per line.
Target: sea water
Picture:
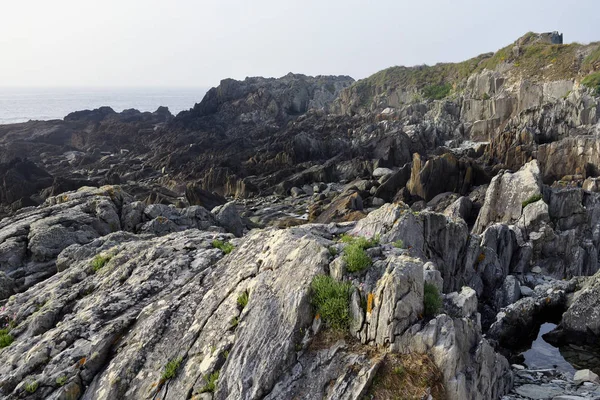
24	104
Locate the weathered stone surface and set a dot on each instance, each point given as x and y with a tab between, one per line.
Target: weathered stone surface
585	375
506	194
228	216
583	316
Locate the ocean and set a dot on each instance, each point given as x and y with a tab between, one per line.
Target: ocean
24	104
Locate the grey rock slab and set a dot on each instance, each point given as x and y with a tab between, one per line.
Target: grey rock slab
538	392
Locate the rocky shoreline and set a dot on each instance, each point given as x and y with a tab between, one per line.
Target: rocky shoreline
311	237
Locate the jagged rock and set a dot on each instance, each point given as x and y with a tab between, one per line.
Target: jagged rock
585	375
197	196
7	286
511	291
506	194
346	207
296	192
398	301
440	174
228	216
433	276
389	187
450	340
461	208
591	185
534	216
582	318
463	304
379	172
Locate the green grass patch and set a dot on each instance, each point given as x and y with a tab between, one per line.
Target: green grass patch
356	258
100	261
593	82
225	247
437	92
330	299
61	380
6	339
211	382
432	301
532	199
332	251
242	300
170	370
31	387
235	321
399	244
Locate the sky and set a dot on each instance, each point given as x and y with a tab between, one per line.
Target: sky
196	43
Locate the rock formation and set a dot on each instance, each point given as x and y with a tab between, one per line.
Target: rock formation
446	213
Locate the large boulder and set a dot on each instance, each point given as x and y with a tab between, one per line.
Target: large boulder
582	318
507	194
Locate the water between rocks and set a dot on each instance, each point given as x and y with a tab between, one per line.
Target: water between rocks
543	355
568	358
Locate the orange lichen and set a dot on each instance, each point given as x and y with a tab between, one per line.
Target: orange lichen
370	298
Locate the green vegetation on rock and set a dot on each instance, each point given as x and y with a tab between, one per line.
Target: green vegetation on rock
100	261
432	301
6	339
242	300
225	247
211	383
356	258
527	57
593	82
31	387
171	368
437	92
532	199
330	299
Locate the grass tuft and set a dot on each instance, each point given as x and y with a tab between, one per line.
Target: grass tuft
330	299
432	300
242	300
211	383
171	368
225	247
356	258
6	339
31	387
100	261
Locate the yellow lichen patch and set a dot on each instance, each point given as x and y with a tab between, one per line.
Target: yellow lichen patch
370	299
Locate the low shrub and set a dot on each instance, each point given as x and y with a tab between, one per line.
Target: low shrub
225	247
437	92
432	301
330	299
356	258
6	339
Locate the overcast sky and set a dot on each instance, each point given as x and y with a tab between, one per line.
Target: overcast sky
196	43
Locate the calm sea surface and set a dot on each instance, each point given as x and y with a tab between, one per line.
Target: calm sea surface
21	105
